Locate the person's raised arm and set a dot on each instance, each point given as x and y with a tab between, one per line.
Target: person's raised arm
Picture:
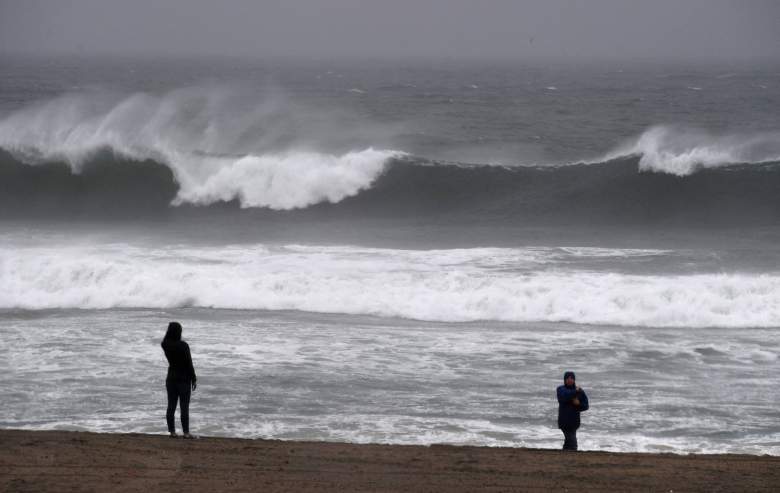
566	394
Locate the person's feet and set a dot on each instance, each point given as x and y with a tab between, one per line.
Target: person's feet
186	436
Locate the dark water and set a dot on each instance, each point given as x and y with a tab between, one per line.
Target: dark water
623	221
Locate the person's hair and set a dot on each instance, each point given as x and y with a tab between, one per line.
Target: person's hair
173	333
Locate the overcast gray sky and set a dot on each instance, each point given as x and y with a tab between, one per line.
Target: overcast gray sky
512	29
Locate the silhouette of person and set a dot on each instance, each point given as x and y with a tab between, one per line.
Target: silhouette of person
572	400
181	379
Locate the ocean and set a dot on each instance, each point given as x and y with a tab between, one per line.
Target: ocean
398	252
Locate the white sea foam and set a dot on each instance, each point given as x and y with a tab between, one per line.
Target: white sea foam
440	285
257	155
361	379
278	181
681	151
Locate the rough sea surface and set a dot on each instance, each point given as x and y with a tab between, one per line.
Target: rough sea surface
394	252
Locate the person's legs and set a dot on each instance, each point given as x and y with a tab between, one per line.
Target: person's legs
185	390
570	439
173	396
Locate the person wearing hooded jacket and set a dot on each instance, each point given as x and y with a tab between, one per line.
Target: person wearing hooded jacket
572	400
181	379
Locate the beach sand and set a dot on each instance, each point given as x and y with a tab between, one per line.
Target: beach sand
79	461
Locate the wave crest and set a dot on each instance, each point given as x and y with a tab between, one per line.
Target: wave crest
216	150
682	151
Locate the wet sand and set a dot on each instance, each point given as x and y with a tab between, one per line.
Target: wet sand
78	461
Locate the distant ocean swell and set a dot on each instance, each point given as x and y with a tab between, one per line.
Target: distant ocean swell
498	284
201	148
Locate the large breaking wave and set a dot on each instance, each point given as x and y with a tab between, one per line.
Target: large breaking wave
215	149
203	147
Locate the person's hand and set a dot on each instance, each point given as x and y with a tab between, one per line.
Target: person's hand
194	385
579	389
576	402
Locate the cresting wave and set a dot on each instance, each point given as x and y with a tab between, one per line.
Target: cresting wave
682	151
215	150
499	284
347	189
270	154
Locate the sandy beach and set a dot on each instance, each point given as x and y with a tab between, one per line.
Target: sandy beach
79	461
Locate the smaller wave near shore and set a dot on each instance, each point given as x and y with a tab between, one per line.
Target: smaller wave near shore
500	284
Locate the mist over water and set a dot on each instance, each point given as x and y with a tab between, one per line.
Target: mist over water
492	218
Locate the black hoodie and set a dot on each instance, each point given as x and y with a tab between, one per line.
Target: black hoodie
180	367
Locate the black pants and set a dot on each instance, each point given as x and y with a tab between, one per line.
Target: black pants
569	438
178	390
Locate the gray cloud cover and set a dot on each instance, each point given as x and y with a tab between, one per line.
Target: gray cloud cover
489	29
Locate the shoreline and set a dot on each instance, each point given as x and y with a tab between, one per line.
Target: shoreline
87	461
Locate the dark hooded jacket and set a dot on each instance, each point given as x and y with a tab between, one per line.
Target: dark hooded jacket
180	367
568	412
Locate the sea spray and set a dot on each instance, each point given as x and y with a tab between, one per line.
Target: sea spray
682	151
259	155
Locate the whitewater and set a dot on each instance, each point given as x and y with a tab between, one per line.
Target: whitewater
491	284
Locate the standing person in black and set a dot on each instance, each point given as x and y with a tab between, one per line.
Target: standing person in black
572	400
181	378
